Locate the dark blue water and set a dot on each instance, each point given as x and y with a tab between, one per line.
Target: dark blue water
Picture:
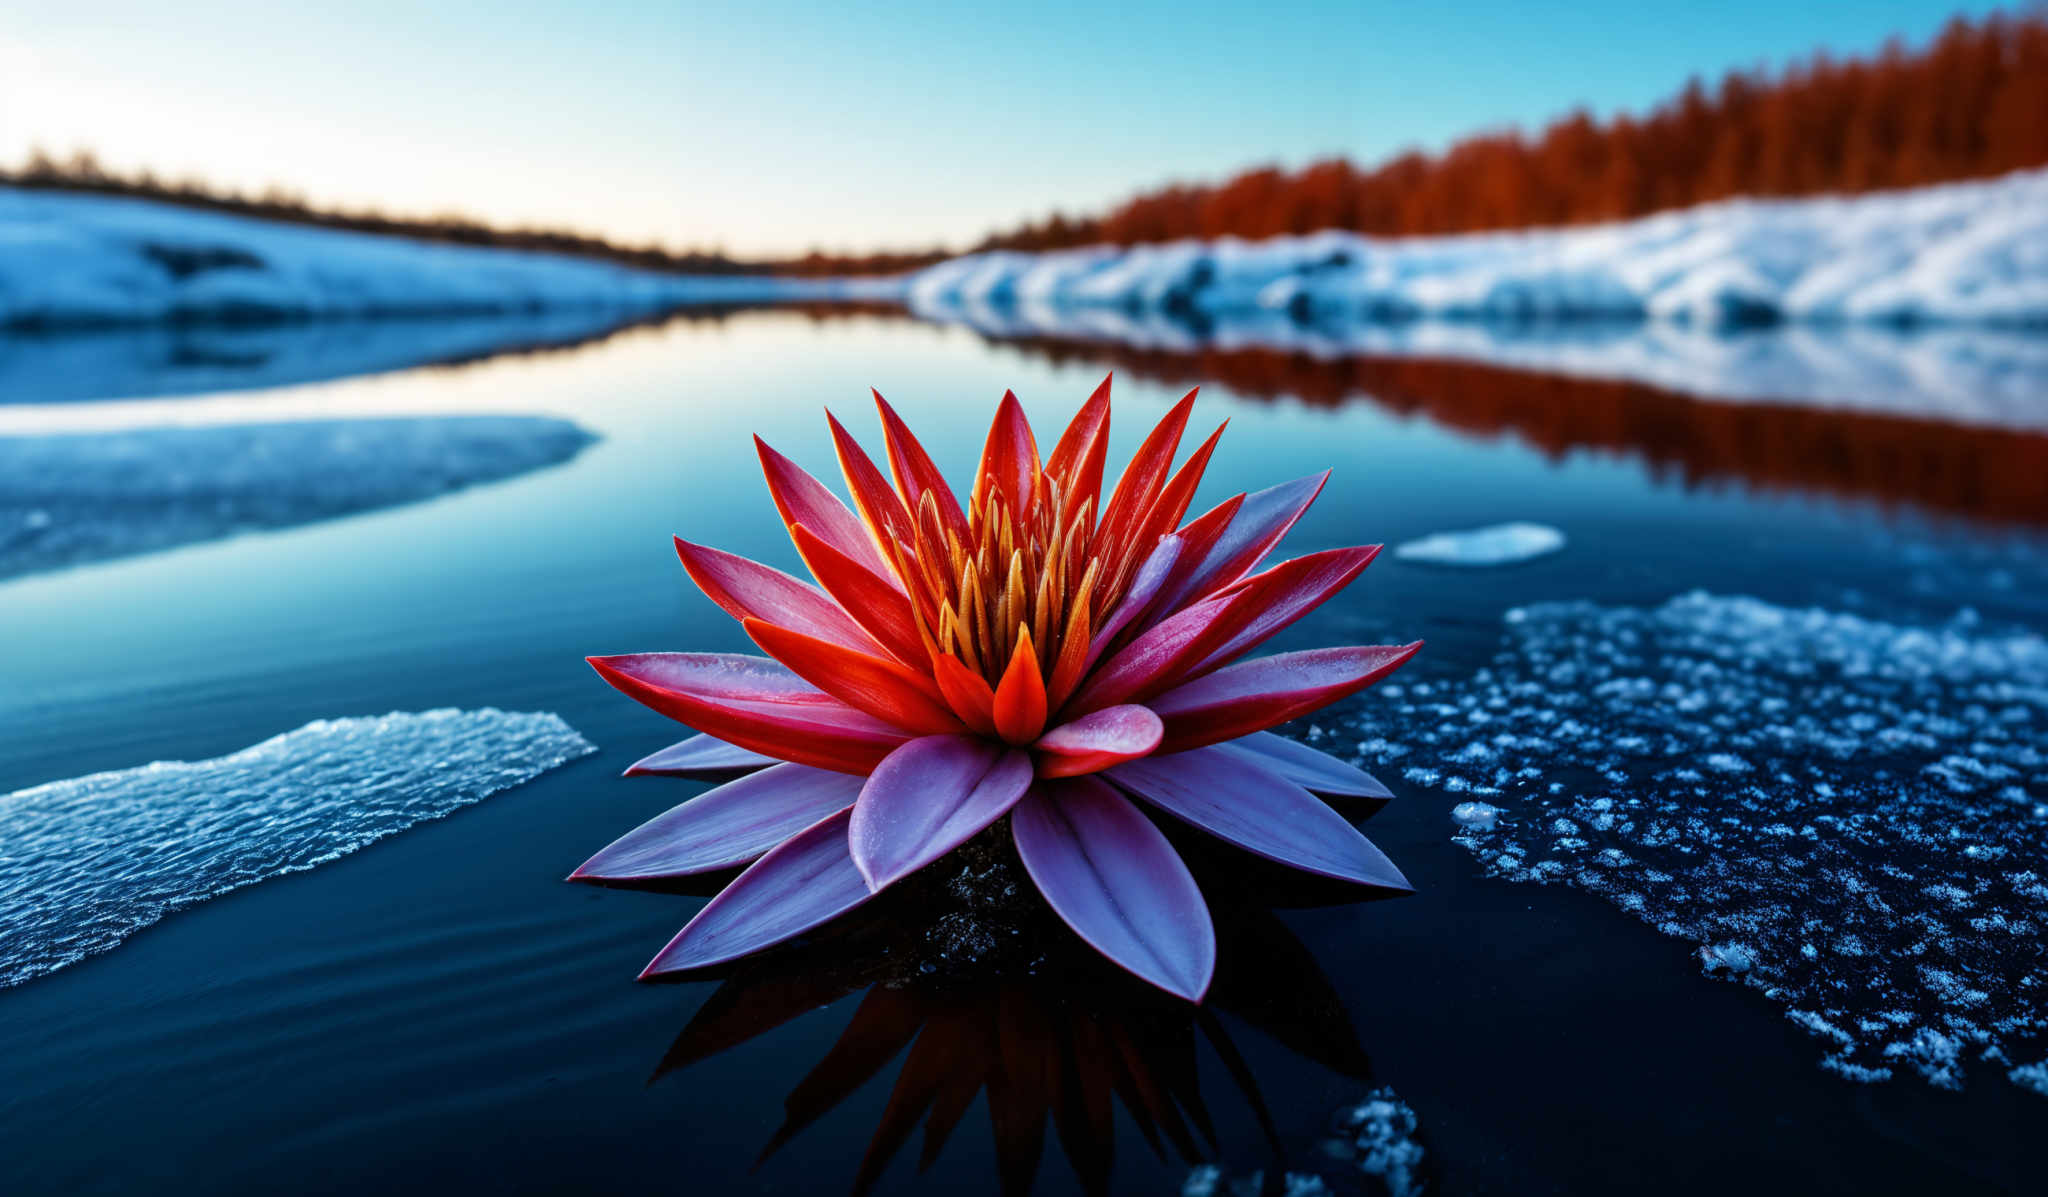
439	1011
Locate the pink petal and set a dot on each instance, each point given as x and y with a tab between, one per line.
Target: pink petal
802	499
1160	654
747	589
1253	532
1235	798
929	797
726	826
1096	741
699	756
755	703
1310	768
805	882
1109	873
1137	597
1282	595
1254	695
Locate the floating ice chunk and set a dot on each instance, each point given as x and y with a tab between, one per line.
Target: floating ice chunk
1498	544
1380	1138
1759	780
92	860
67	499
1475	816
2033	1076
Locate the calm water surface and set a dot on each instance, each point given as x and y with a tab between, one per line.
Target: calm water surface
440	1012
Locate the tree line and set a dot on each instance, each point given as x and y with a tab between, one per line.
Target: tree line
1971	104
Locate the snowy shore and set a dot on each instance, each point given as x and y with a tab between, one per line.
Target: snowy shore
72	260
1963	253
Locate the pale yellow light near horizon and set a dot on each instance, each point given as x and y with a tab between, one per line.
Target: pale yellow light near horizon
56	99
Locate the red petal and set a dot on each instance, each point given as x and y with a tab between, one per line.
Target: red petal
1263	520
915	473
884	689
1020	699
1138	598
756	704
879	506
868	598
1009	458
748	589
1153	660
1254	695
1173	501
1097	740
1282	595
1142	479
966	691
1078	459
802	499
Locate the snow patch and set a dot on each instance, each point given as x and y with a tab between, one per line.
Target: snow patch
92	860
69	259
1956	253
1497	544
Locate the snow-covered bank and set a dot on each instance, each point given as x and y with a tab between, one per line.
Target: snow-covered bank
92	860
69	259
68	499
1959	253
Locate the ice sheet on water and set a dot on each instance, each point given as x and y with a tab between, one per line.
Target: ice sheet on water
66	499
1496	544
1845	814
92	860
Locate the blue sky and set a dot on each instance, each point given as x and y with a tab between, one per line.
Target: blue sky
770	127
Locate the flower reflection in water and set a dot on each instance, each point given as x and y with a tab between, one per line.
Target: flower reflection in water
997	1000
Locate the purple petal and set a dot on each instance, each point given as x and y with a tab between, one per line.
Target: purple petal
1253	532
1235	798
1107	871
1137	598
1311	768
807	881
927	798
724	827
700	756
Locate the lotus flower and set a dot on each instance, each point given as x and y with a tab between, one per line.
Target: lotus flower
1041	653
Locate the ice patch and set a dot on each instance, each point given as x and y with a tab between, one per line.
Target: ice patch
92	860
1499	544
1844	814
1475	816
1379	1136
67	499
